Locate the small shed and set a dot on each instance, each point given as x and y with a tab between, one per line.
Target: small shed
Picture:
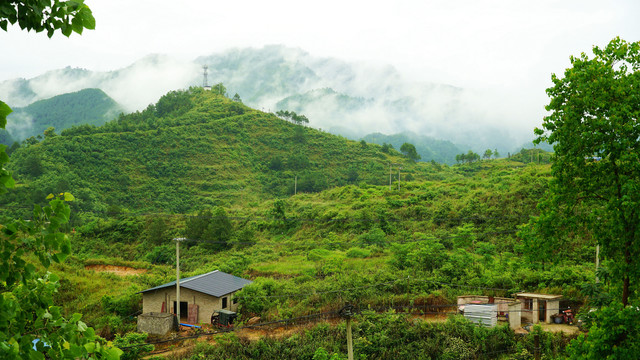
200	296
538	307
484	314
502	308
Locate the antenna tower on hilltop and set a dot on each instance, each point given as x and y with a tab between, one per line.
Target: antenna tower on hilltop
205	82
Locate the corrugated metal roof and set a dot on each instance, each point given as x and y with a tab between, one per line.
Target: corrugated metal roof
538	296
216	283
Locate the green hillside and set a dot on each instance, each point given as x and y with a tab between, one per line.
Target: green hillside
191	150
428	148
201	166
88	106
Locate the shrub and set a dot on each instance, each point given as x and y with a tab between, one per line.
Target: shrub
358	253
318	254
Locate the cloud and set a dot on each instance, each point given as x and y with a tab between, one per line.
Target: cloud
19	124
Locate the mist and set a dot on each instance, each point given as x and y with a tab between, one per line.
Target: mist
350	98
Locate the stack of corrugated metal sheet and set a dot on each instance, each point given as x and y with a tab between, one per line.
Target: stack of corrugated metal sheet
485	314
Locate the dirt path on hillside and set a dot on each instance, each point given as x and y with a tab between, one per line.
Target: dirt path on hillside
116	269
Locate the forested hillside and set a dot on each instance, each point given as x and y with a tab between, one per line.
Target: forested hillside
428	148
191	150
315	220
88	106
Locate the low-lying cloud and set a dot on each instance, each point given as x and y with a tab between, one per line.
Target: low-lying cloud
362	98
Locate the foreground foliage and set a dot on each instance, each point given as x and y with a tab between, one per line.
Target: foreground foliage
388	336
593	126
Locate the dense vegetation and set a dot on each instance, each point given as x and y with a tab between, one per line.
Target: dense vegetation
89	106
428	148
190	150
197	164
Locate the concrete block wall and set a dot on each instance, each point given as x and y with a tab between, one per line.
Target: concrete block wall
155	323
152	302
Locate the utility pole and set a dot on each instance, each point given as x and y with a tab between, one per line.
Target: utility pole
390	165
347	312
408	289
177	309
597	262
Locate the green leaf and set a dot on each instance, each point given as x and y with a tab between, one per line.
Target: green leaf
76	24
112	353
68	197
50	196
88	21
90	347
7	181
66	30
5	110
82	327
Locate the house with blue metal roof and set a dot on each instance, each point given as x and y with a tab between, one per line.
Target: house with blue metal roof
200	296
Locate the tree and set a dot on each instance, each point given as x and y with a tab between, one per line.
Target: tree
236	98
30	325
410	152
471	156
292	116
617	335
487	154
47	15
219	89
593	126
219	230
195	226
212	229
496	154
50	132
386	148
39	15
26	297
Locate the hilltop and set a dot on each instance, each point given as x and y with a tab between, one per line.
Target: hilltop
88	106
341	97
191	150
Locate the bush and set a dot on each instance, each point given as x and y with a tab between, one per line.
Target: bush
318	254
358	253
136	352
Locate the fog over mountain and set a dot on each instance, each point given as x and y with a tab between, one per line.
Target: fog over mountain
352	99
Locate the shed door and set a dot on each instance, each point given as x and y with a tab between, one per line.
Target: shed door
542	310
184	309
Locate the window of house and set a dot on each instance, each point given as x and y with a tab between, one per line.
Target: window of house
235	301
224	302
528	304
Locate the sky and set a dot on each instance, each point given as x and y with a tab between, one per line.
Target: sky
493	46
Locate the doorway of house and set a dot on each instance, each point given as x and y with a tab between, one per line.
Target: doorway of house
184	310
542	310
